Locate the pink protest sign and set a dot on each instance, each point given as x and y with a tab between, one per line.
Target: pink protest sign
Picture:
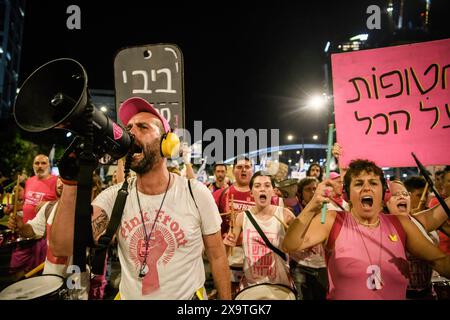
392	101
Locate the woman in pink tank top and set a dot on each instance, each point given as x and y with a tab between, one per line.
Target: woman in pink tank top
366	257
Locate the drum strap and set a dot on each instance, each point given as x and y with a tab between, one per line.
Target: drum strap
263	236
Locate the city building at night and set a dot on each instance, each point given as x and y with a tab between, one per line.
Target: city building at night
12	13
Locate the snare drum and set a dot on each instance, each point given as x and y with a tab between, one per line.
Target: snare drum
8	242
266	291
441	286
45	287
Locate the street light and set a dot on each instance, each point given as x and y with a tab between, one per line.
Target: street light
290	137
317	101
315	137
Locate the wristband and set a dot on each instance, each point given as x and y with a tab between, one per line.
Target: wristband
69	182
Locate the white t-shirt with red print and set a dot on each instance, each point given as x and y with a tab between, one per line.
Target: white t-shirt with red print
261	264
175	267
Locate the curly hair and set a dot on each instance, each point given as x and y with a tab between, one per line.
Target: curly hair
359	165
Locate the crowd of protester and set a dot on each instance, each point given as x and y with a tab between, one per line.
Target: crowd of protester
243	234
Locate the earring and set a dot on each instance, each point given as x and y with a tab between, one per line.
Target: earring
350	205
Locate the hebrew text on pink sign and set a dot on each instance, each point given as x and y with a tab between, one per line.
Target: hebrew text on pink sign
392	101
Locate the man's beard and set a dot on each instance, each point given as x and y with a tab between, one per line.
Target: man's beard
41	174
151	157
220	179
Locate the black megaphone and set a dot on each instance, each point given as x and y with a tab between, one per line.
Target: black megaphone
55	96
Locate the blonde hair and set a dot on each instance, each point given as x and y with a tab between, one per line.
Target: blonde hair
396	181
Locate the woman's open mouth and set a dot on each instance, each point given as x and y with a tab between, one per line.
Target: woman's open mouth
367	202
402	206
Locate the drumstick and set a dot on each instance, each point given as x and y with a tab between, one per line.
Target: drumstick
2	198
232	218
16	196
35	270
233	214
423	198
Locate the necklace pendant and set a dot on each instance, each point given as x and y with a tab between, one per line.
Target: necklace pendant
143	271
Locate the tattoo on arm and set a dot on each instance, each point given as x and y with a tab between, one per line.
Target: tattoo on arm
99	224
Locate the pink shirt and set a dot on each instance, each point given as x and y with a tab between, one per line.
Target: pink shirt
367	263
444	241
37	190
241	201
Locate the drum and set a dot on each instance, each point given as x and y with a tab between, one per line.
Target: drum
8	239
266	291
8	242
441	286
45	287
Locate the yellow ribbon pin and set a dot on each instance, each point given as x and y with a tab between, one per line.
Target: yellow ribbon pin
393	237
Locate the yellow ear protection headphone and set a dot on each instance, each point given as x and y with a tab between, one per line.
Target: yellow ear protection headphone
170	145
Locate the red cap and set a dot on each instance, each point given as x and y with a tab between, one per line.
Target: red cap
134	105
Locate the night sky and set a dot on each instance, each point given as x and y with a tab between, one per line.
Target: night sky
247	64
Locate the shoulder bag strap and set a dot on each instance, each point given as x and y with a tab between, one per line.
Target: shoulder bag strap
263	236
